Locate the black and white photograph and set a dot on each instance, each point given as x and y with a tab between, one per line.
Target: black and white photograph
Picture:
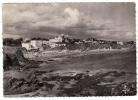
78	49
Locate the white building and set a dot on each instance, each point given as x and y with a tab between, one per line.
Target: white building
57	39
45	42
36	44
32	44
121	43
26	45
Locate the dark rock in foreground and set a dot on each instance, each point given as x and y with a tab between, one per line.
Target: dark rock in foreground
83	85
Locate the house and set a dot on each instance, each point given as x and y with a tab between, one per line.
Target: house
60	38
45	42
120	43
26	45
58	41
36	44
32	44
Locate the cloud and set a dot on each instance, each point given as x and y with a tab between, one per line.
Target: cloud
73	15
75	19
68	17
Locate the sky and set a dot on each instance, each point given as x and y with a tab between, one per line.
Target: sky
108	21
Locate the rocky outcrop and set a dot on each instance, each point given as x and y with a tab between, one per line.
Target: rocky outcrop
81	84
6	61
15	60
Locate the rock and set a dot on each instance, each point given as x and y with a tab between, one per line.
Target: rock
7	62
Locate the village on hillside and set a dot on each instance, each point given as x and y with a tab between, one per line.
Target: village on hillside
65	42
